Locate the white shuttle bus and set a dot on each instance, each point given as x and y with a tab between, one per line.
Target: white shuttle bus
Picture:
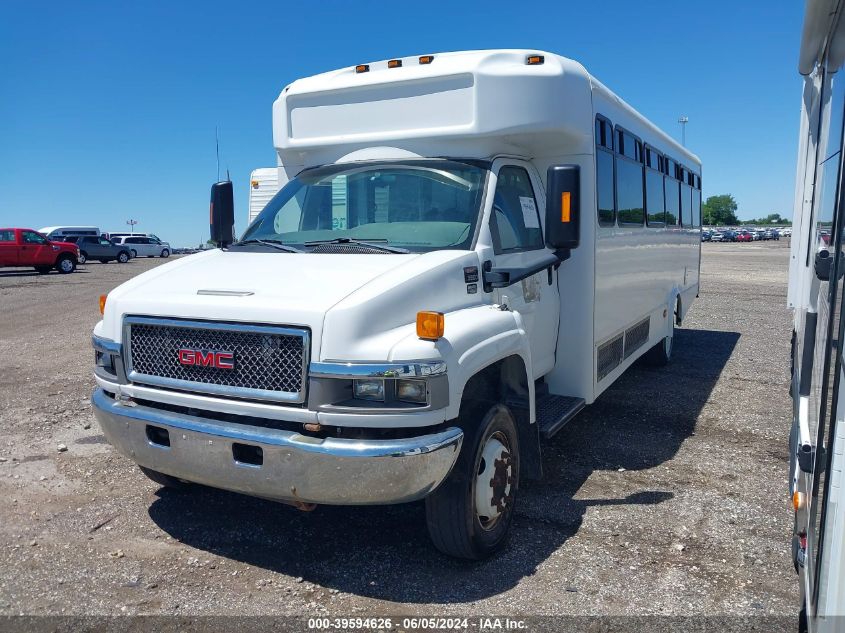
471	247
817	266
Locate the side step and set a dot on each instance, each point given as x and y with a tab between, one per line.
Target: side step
553	412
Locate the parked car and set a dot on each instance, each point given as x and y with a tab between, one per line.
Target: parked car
28	248
759	234
143	246
718	236
772	234
99	248
744	236
729	236
706	236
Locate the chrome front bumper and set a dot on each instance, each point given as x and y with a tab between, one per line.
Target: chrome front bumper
294	468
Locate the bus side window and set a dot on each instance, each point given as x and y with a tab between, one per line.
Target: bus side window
604	172
673	193
655	199
629	181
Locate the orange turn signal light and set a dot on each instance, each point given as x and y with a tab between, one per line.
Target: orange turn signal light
426	59
103	304
565	206
798	500
430	325
362	68
533	60
394	63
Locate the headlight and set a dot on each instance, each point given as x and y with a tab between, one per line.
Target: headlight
368	389
411	391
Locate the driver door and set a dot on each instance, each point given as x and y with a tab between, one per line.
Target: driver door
35	250
518	242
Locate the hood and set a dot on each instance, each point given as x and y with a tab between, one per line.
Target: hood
276	288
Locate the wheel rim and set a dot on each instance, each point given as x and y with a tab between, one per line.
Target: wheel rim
82	258
66	265
122	258
494	481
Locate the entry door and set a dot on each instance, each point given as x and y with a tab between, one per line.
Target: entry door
35	250
518	242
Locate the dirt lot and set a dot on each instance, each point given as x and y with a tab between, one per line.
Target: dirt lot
668	496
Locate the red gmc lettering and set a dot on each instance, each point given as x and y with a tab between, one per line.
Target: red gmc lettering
220	360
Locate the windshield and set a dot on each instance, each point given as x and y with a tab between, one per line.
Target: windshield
419	205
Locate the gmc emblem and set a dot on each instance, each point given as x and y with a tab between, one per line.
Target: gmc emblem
203	358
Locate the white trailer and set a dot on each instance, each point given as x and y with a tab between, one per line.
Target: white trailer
471	247
263	185
817	265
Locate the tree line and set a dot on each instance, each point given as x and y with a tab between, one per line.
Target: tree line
721	211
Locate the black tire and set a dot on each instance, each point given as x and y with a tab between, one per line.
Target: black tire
165	253
164	480
43	270
83	257
66	264
134	253
123	257
455	521
661	354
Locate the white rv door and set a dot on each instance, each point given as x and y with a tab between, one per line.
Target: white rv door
518	241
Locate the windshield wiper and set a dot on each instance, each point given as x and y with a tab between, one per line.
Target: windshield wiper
277	244
369	243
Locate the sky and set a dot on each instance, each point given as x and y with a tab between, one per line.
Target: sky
108	110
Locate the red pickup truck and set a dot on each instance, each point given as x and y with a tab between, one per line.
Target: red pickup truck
25	247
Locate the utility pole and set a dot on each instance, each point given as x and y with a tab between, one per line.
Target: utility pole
131	224
683	121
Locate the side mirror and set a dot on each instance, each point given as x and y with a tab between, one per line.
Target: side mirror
222	213
563	207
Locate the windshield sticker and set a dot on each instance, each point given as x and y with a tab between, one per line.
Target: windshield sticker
529	212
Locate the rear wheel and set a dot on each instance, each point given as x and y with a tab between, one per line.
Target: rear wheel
43	270
470	513
164	480
165	253
134	253
66	264
83	257
661	354
123	257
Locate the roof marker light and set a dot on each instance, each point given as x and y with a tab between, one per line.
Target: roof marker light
533	60
426	59
362	68
394	63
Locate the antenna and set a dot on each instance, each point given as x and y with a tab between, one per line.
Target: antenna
217	148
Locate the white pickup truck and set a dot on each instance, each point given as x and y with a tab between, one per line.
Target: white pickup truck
469	248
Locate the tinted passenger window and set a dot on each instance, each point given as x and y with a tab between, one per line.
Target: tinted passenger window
673	201
686	205
629	191
604	187
515	223
654	197
696	207
7	236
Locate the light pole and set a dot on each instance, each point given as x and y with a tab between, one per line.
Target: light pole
131	224
683	121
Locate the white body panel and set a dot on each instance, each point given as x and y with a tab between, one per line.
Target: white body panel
263	185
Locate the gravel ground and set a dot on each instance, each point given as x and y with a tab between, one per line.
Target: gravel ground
667	496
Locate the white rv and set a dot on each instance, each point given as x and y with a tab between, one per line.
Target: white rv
472	247
817	266
263	185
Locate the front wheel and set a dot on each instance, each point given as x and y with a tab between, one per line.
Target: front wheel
165	253
66	264
470	513
83	257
